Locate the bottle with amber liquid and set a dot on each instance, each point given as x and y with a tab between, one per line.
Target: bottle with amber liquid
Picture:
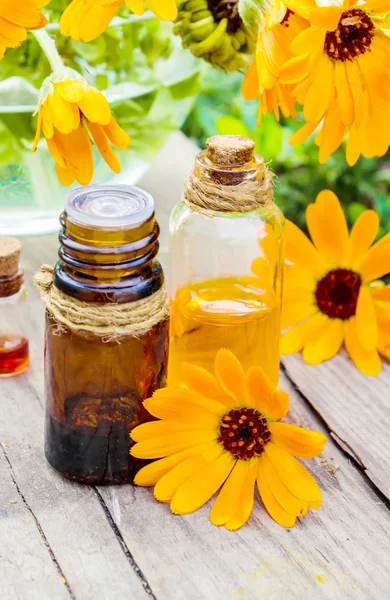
106	332
226	252
14	352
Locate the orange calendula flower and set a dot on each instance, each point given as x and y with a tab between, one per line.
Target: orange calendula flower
71	115
277	29
85	20
223	431
18	17
331	289
341	75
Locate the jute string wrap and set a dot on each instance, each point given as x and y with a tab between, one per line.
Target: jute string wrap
207	197
107	320
226	189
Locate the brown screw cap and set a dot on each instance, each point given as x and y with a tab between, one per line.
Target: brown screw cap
9	256
230	150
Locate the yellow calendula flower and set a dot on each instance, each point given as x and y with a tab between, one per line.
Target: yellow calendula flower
85	20
331	289
71	115
18	17
277	29
223	431
341	75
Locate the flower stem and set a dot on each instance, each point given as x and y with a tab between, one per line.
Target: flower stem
50	49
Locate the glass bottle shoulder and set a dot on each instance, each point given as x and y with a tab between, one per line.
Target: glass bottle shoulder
184	219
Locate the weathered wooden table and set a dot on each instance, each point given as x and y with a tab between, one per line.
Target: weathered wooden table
63	540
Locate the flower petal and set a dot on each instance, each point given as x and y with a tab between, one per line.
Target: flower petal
107	153
326	17
176	404
76	149
166	10
198	490
325	344
117	136
137	6
225	506
300	251
321	90
376	263
155	429
328	227
167	486
280	405
292	473
250	86
366	322
295	312
297	336
199	380
230	375
259	388
381	294
290	503
72	91
176	442
246	500
151	473
363	234
309	41
344	94
368	362
300	442
276	511
95	107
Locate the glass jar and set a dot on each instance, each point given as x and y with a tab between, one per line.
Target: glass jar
96	383
226	267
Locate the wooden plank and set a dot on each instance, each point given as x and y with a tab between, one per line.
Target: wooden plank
338	552
354	407
27	569
90	554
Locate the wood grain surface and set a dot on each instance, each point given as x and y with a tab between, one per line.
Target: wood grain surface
62	540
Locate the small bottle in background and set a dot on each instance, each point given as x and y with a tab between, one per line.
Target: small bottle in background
14	353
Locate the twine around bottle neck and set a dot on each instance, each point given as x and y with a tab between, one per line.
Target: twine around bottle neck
209	197
110	320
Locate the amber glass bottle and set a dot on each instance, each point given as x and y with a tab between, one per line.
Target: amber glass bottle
14	353
226	255
95	384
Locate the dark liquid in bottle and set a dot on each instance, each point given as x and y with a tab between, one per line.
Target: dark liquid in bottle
14	355
93	446
95	391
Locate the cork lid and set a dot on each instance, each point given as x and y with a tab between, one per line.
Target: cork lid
230	150
9	256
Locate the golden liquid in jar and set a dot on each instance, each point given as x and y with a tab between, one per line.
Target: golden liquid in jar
228	313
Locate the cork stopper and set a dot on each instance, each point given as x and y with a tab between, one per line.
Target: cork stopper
230	150
9	256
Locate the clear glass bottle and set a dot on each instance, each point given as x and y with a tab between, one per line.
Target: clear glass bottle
226	269
95	385
14	351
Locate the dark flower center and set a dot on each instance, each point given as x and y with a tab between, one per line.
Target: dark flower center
337	293
244	433
226	9
353	36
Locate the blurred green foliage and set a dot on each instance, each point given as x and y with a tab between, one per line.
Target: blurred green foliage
221	108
